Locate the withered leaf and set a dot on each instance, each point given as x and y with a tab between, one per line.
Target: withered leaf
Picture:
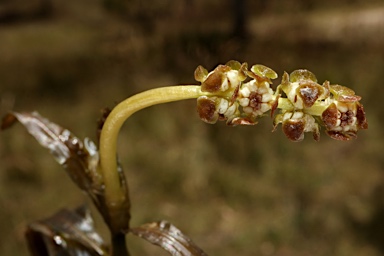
79	159
170	238
68	232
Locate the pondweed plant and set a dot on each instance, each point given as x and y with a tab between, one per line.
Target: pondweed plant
232	93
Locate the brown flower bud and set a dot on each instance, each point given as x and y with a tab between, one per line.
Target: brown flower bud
294	129
214	81
310	92
343	119
295	124
222	79
207	109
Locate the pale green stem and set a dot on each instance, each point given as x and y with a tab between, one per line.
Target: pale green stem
114	194
285	104
109	134
316	110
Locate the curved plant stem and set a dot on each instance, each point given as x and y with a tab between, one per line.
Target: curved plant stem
109	134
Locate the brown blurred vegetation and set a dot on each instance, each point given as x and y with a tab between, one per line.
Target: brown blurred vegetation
234	191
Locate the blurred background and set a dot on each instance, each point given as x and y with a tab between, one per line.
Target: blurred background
234	191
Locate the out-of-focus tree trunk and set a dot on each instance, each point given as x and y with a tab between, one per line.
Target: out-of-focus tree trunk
239	18
22	10
119	6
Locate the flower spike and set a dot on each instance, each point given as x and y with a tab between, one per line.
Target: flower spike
240	96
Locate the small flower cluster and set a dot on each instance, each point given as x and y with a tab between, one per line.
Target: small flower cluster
230	97
239	96
345	114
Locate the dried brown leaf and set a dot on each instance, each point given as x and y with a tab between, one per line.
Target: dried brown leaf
79	158
170	238
65	233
